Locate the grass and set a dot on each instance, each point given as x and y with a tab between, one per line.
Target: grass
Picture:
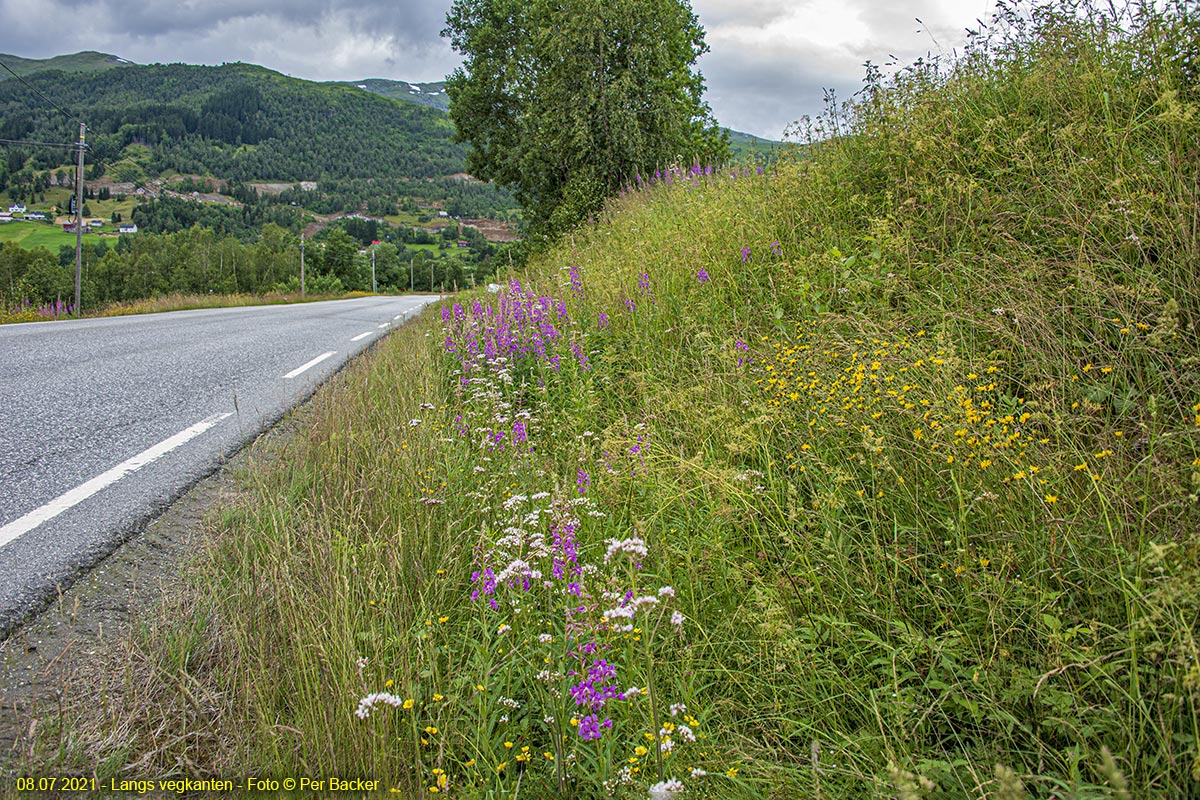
32	235
877	473
169	302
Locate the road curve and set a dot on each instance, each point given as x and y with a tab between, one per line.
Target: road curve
104	422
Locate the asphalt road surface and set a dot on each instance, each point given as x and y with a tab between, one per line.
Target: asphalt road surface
104	422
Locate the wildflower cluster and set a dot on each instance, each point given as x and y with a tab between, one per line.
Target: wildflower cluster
694	176
569	650
26	311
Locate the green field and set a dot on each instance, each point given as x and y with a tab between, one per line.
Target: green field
36	234
432	249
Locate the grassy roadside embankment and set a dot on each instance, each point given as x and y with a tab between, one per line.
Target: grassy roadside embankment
876	475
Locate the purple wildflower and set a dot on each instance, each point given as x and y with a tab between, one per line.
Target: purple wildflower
702	275
596	689
745	254
742	347
589	727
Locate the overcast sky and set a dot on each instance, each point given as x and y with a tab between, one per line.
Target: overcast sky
769	63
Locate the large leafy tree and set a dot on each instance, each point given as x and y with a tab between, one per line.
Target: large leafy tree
564	100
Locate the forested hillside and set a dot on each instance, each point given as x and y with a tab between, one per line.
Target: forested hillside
238	122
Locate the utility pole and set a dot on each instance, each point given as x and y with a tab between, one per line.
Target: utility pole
302	265
79	218
373	286
411	259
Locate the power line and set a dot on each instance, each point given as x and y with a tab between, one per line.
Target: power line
68	145
38	91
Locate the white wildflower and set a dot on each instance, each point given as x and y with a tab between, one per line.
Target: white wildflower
633	545
665	790
370	701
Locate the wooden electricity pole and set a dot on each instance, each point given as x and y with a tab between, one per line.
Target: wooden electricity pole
79	217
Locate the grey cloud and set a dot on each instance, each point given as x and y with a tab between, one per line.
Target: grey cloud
765	90
167	30
758	14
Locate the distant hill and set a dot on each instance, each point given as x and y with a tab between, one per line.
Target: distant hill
235	121
425	94
242	123
742	145
87	61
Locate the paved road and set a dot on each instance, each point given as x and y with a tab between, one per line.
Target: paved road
103	423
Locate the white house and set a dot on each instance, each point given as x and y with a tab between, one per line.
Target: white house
127	228
35	215
16	208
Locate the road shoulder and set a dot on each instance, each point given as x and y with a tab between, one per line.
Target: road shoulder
64	666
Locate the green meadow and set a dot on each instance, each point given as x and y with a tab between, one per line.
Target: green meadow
31	235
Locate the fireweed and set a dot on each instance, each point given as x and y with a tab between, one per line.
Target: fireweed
569	649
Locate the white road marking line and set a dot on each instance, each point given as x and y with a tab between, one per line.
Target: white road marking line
310	364
21	526
384	325
362	336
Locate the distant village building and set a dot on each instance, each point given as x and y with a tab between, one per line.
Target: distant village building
35	215
127	228
16	208
96	223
